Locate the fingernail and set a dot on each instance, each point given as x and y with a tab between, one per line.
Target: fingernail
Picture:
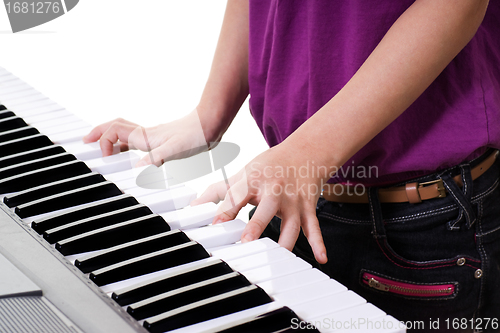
140	164
323	256
247	238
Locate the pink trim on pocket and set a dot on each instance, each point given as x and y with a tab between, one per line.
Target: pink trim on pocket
408	289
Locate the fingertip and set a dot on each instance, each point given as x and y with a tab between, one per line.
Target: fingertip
322	258
141	163
247	238
88	138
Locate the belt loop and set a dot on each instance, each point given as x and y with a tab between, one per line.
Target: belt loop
376	213
462	197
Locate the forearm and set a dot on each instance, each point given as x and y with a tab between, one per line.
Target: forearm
416	49
227	85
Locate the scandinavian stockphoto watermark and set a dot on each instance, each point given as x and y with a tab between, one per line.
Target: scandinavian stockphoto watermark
26	14
345	180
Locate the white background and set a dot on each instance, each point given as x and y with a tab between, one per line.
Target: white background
145	61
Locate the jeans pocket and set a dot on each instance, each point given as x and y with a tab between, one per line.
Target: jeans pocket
427	243
408	289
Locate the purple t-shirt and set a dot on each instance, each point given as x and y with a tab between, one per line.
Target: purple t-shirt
302	52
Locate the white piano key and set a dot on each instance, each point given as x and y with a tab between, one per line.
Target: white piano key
209	300
260	259
14	102
132	283
8	80
217	235
241	250
140	192
144	257
324	305
121	175
210	249
13	88
292	281
18	106
341	320
44	216
70	136
39	118
39	110
279	269
51	126
8	77
191	217
179	197
310	292
69	225
113	163
172	199
70	127
126	184
29	92
184	289
88	151
224	322
88	255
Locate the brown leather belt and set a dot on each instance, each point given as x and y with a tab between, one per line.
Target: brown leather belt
412	192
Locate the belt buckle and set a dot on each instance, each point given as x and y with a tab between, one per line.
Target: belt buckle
440	186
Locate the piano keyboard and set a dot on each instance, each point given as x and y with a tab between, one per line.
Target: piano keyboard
110	256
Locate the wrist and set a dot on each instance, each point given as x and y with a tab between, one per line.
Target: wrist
212	124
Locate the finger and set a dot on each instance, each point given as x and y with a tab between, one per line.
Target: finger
214	193
236	198
265	211
116	132
157	156
96	133
312	231
290	227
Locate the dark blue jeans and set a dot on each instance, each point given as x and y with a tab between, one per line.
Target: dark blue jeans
451	243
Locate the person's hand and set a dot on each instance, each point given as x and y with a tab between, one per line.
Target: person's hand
178	139
279	182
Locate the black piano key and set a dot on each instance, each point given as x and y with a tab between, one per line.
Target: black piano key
28	143
195	274
68	199
110	236
18	133
30	155
47	190
39	177
6	114
11	123
83	212
3	107
218	306
176	299
131	250
149	263
275	321
40	163
95	222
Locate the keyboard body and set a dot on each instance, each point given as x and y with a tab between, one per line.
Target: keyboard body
75	303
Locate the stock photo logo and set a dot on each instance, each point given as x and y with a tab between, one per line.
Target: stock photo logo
182	169
26	14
